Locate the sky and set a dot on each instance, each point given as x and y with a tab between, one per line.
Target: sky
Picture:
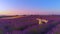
21	7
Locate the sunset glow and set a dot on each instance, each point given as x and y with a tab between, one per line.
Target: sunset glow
25	7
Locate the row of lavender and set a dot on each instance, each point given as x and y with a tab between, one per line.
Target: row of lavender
27	25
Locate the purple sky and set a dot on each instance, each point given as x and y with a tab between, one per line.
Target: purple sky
44	7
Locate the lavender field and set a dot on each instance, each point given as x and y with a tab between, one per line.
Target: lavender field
29	25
